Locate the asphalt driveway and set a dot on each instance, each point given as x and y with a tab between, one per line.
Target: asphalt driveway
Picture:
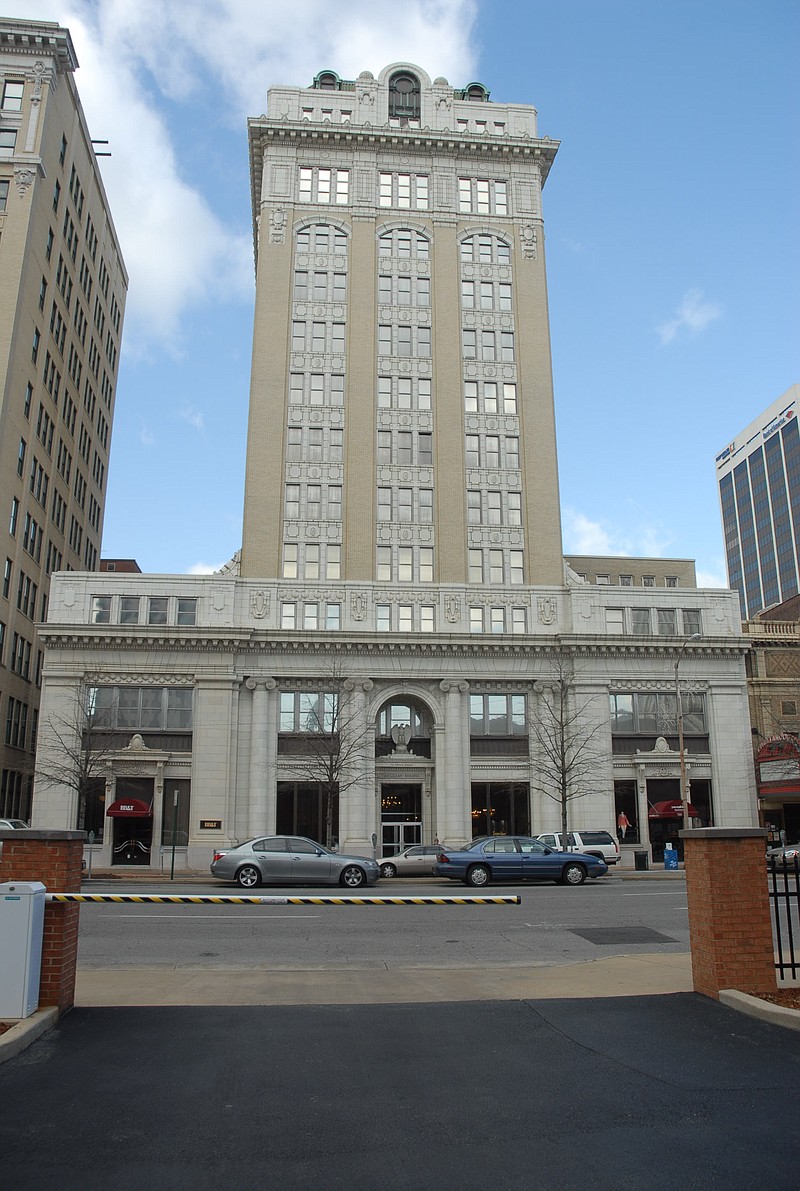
617	1093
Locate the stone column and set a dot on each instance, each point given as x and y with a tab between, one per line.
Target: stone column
273	714
730	929
54	858
455	803
257	787
357	802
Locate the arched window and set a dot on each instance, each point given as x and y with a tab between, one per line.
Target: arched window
477	91
404	97
327	80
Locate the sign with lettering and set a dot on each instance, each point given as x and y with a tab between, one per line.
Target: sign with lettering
211	824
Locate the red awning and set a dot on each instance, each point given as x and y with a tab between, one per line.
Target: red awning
133	808
670	810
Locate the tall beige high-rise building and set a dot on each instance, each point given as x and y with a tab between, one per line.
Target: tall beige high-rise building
62	297
401	408
377	665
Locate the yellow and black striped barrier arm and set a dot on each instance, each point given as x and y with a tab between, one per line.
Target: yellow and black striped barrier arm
206	899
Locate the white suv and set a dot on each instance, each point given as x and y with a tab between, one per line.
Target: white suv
591	843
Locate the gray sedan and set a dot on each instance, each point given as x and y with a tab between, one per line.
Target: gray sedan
291	860
417	861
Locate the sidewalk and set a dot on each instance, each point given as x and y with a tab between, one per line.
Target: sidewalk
618	976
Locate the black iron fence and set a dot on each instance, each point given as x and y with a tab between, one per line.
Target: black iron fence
784	895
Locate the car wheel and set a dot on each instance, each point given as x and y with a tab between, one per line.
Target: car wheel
352	876
478	875
573	874
388	870
248	876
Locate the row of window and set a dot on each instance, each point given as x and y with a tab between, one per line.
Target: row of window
403	244
664	622
154	610
480	397
655	714
144	709
313	502
400	618
403	564
494	507
314	712
476	196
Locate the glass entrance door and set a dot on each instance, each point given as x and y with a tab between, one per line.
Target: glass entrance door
395	837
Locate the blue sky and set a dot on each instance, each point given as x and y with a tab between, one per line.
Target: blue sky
670	217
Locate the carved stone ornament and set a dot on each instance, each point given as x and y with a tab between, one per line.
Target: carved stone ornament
358	606
528	237
277	225
401	734
137	744
452	609
24	179
259	603
547	608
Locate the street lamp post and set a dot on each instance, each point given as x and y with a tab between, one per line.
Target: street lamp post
681	752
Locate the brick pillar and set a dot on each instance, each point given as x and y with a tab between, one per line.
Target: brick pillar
730	928
54	858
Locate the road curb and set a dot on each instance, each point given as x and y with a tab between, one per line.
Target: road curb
777	1015
26	1031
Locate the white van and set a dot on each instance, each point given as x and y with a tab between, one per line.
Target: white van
592	843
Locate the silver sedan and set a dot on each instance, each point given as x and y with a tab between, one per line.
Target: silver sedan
291	860
417	861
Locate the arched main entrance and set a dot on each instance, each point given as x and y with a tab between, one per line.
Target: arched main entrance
403	768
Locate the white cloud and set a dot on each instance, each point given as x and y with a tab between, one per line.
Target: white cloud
135	54
146	436
693	315
193	416
716	578
204	568
582	535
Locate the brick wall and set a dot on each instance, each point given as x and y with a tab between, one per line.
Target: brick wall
54	858
730	927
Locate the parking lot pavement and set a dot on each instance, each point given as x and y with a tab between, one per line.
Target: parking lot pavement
616	1094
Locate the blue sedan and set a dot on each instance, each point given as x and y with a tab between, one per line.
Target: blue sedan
516	858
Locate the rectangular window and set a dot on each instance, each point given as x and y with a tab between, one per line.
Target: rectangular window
312	561
288	615
615	620
666	622
425	502
101	609
310	616
427	621
383	618
157	610
691	621
476	620
425	564
289	570
640	622
497	620
333	616
405	564
476	566
333	563
384	564
12	96
129	610
8	140
405	618
518	620
187	611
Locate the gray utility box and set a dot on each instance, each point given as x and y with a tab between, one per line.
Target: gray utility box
21	933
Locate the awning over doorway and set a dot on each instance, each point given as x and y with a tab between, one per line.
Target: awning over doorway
132	808
670	810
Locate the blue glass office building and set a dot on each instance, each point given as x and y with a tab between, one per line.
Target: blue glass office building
759	489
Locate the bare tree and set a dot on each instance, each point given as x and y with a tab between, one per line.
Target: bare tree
335	743
569	747
73	751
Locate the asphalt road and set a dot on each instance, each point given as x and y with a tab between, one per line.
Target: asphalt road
617	1095
554	924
